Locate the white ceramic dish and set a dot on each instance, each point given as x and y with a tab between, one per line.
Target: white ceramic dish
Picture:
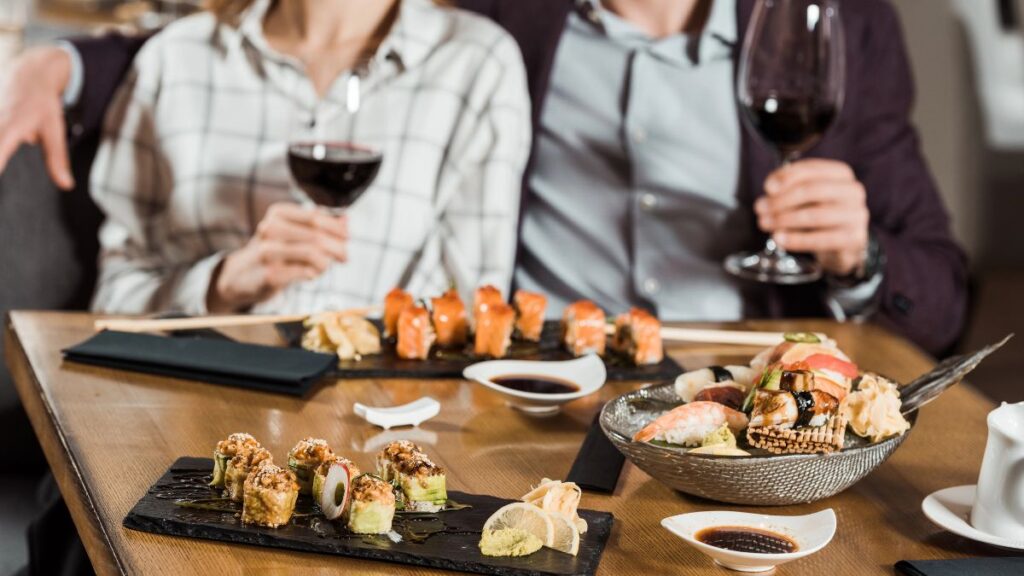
588	373
411	414
811	533
951	509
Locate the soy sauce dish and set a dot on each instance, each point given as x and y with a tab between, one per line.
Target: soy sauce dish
540	388
753	542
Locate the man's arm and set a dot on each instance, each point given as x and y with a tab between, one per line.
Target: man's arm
105	60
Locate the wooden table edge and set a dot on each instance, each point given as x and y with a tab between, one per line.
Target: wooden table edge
59	457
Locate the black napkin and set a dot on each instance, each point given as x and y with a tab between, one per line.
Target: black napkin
972	566
599	462
267	368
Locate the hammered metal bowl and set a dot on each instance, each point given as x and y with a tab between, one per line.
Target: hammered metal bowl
761	479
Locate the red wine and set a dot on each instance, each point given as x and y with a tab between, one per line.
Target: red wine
333	174
793	125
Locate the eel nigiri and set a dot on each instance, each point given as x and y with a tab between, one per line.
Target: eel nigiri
494	330
449	316
415	334
638	334
396	301
530	308
583	328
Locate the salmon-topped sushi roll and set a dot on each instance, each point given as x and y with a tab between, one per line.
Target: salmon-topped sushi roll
449	315
415	333
530	308
638	335
396	301
583	328
494	330
484	297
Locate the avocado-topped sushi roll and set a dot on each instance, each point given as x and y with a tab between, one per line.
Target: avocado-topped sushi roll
415	334
304	458
332	482
395	301
638	335
372	505
449	316
238	469
494	327
269	495
583	328
530	308
421	482
226	450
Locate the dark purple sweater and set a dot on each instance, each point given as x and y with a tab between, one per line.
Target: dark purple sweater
924	294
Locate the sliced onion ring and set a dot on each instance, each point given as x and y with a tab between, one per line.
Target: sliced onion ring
337	479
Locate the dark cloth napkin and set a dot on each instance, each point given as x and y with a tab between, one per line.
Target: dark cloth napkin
599	462
972	566
283	370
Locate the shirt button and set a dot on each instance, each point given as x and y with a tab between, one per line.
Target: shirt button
648	202
652	286
639	135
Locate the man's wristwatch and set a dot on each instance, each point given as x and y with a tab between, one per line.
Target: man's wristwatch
874	262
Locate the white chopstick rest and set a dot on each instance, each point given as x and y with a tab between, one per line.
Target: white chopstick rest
411	414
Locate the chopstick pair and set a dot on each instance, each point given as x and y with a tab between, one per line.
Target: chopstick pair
201	322
715	336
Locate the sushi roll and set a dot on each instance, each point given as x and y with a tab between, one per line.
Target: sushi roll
530	308
305	457
372	505
415	334
484	298
494	328
238	469
421	482
449	316
638	335
332	483
692	383
226	450
395	301
583	328
269	496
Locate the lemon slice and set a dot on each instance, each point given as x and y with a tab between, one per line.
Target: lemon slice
567	538
523	516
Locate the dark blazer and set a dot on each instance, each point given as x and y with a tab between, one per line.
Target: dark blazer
924	295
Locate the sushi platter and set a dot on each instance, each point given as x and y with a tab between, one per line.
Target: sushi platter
401	512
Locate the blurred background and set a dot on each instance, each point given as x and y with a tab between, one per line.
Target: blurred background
968	60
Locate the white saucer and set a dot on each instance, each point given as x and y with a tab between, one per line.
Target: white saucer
951	509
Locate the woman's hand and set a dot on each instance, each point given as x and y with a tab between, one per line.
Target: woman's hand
817	206
291	244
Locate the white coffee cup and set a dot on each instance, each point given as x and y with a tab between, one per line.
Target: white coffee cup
999	500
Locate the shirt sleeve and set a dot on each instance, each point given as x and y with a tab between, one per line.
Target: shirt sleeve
482	175
141	270
73	90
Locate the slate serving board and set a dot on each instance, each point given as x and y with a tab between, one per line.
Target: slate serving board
451	363
455	547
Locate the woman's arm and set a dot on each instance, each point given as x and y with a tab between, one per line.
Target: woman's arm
483	174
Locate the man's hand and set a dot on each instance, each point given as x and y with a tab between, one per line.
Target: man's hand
31	110
291	244
817	206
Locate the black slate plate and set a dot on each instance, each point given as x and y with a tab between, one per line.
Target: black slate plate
454	548
451	363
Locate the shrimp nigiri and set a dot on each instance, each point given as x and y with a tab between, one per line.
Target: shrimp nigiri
687	425
529	314
395	301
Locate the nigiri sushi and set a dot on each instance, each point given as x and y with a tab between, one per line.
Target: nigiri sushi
530	308
687	425
226	450
238	469
415	334
583	328
395	301
494	330
269	496
449	316
305	457
484	297
690	384
372	505
638	335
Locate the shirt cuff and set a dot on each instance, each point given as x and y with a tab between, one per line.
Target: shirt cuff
73	90
854	302
194	286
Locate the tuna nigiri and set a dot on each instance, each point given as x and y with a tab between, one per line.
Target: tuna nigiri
638	334
583	328
449	316
415	333
494	330
396	301
530	308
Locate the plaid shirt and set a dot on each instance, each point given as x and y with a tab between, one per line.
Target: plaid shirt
194	152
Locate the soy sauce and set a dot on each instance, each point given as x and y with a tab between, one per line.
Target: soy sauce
743	539
537	384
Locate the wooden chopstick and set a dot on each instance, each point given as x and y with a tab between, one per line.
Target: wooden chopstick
197	323
713	336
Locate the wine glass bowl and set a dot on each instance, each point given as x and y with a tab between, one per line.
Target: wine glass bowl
333	174
790	87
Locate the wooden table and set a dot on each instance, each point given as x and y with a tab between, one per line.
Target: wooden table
109	434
